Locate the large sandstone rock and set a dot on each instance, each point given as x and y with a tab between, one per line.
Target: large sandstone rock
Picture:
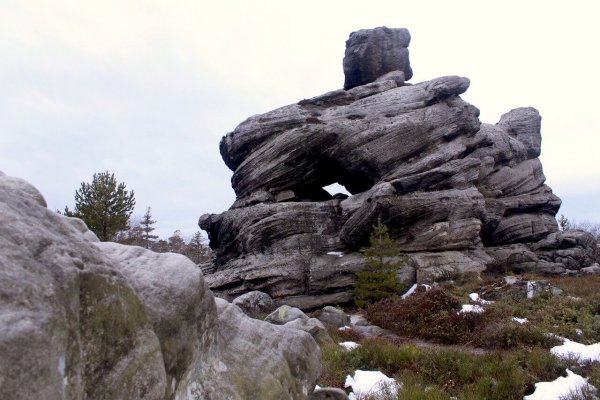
458	195
70	324
182	311
80	319
371	53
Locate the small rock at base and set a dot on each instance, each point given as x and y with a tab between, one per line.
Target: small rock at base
255	301
285	314
331	316
329	393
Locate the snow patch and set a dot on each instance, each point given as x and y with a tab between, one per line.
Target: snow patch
413	288
371	383
335	253
477	299
560	388
345	328
349	345
471	308
578	351
520	320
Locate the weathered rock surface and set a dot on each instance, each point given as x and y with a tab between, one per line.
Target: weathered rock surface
331	316
81	319
371	53
458	195
70	324
255	302
592	269
285	314
265	361
312	326
182	311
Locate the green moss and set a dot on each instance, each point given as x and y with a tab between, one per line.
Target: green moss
111	316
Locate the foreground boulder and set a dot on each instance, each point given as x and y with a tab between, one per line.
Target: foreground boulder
70	324
264	361
458	195
182	312
81	319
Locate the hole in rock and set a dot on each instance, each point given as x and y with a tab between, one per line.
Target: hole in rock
336	188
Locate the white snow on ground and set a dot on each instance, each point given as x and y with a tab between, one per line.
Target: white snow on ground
560	387
467	308
475	298
371	383
578	351
336	253
520	320
345	328
413	288
349	345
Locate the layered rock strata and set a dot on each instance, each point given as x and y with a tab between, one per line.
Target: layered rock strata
458	195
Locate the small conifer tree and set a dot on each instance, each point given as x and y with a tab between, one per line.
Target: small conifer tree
147	227
379	280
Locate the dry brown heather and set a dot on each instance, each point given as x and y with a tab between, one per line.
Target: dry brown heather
434	354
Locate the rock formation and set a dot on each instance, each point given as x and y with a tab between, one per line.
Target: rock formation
458	195
81	319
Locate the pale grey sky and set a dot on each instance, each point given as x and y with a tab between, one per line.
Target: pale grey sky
146	89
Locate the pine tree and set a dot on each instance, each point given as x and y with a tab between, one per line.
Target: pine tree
176	242
104	205
196	250
147	228
564	223
134	236
379	280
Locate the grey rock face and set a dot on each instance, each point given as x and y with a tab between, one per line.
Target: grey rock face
332	316
81	319
371	53
70	324
264	361
254	302
181	309
285	314
312	326
457	195
592	269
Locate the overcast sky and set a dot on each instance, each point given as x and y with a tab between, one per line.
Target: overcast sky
146	89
